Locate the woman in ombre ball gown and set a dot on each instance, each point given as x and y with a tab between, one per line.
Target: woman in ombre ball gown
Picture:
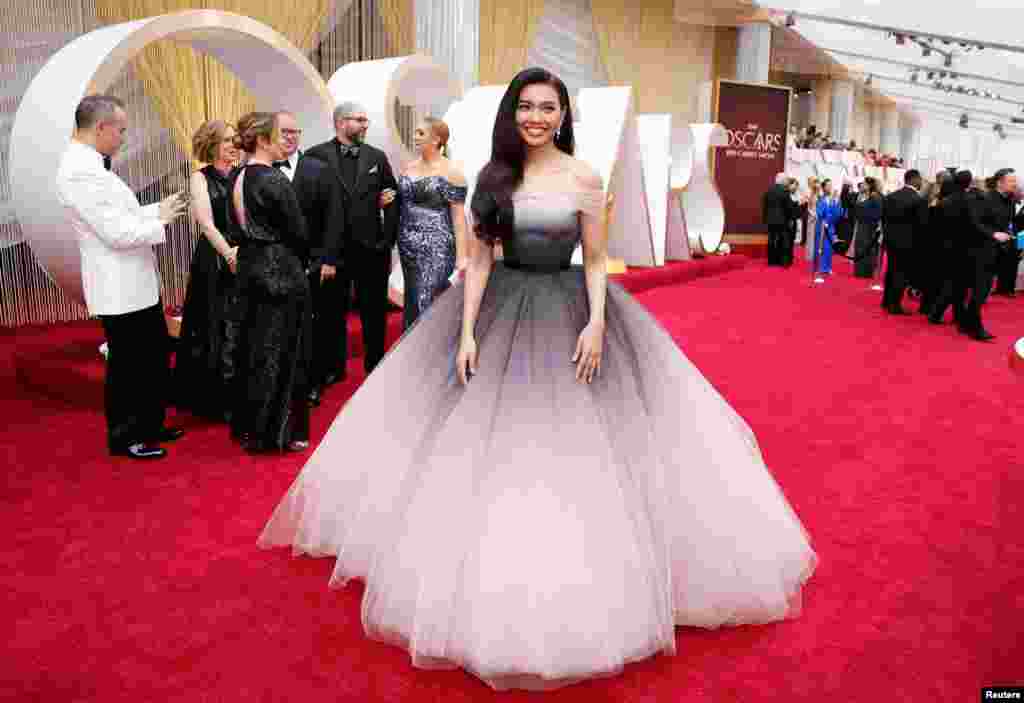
536	485
432	227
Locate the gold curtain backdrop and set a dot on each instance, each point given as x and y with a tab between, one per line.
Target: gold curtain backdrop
400	22
665	61
506	31
189	88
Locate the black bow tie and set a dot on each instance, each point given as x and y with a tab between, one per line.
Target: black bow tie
282	164
350	151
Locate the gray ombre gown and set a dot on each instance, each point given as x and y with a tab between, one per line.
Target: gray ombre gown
530	529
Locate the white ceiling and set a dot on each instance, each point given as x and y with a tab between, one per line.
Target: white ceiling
872	52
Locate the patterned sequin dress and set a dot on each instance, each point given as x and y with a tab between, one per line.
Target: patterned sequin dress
426	239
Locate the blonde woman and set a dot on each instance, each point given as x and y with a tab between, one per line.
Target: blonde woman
204	366
432	221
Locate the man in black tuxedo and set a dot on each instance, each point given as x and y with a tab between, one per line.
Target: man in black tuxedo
778	212
368	232
320	196
904	216
990	215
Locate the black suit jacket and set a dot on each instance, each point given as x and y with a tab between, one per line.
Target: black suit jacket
323	205
904	217
989	213
363	219
777	207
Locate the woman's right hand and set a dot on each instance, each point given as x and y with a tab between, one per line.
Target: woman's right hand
232	259
465	362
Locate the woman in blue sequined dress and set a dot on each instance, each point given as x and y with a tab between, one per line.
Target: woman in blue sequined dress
431	234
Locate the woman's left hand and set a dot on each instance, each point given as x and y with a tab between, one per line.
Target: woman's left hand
588	352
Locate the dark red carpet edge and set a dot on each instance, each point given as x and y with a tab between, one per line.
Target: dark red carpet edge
898	443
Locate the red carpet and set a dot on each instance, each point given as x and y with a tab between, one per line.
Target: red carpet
897	442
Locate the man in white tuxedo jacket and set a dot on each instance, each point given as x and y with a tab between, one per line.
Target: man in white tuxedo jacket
116	236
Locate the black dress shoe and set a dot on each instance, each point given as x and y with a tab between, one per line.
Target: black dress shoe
169	434
314	397
934	320
981	336
141	451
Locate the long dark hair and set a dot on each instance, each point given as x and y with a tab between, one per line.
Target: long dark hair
492	199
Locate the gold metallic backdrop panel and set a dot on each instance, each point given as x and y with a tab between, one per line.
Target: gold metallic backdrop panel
506	32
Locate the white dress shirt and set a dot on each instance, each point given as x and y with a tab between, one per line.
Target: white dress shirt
115	234
293	160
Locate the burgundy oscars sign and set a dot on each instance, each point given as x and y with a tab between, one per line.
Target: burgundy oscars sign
756	118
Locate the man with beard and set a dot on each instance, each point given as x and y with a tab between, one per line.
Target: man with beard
362	173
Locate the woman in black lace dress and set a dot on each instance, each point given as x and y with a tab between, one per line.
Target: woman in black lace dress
271	412
204	367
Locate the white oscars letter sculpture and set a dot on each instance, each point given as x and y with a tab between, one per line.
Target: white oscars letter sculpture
608	141
677	244
702	204
471	121
273	69
655	132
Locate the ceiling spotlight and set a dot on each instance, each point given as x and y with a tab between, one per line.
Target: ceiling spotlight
953	76
998	129
960	89
914	77
926	51
931	75
791	19
949	61
942	74
963	120
980	47
900	39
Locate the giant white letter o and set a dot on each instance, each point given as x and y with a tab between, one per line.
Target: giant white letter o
272	68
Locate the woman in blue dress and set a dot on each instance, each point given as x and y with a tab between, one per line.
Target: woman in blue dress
829	212
432	226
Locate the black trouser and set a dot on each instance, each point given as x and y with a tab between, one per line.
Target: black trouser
1007	262
329	306
896	275
135	387
980	269
777	236
788	239
368	269
952	281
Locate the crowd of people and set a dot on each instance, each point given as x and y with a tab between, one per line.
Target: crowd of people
811	138
287	237
944	241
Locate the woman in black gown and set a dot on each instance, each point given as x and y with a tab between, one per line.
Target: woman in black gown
204	367
270	412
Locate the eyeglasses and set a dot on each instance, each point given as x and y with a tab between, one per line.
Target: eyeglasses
291	132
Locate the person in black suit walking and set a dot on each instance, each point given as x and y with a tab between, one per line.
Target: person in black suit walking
954	227
367	232
990	215
904	215
778	211
322	201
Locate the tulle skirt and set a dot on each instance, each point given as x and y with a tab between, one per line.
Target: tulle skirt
533	530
